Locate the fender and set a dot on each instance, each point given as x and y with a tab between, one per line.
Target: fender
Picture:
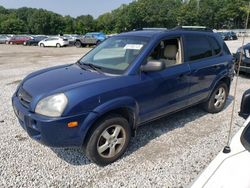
121	102
219	78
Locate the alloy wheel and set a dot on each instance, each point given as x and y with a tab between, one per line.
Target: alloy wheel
220	97
111	141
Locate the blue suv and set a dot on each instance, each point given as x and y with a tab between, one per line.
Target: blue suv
98	102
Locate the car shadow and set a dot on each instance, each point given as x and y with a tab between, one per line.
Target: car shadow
145	133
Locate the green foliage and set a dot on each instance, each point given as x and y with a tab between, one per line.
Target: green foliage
216	14
84	24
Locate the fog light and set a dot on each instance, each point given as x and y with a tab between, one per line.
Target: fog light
73	124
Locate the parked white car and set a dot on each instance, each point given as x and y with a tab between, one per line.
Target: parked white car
54	41
231	167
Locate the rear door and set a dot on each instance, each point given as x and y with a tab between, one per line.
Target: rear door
204	56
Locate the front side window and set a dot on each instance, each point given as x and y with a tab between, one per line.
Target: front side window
115	54
168	52
198	47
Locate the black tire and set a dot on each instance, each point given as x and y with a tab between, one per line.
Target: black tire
98	42
58	45
42	45
98	140
78	44
216	103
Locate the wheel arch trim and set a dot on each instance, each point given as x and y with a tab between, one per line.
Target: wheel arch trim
127	103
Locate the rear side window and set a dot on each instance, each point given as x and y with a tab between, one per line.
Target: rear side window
198	47
216	47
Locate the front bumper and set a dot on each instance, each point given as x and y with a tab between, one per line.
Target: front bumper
65	43
52	132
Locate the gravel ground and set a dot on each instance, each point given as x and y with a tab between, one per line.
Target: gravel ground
169	152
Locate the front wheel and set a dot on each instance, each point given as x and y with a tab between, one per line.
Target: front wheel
58	45
42	45
78	44
217	100
109	140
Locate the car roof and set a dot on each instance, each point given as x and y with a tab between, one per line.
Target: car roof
161	32
95	33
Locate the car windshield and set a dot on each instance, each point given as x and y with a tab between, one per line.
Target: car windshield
115	55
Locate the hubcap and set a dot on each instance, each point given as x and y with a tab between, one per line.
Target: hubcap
220	97
111	141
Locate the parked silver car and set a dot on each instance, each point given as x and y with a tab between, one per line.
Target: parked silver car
4	39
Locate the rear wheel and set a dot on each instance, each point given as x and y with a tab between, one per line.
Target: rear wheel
78	44
109	140
42	45
58	45
217	100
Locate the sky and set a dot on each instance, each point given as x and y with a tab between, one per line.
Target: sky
73	8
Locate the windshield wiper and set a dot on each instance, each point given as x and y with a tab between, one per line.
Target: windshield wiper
92	66
80	65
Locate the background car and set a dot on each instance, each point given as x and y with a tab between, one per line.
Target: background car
54	41
230	168
18	39
4	39
228	35
232	35
245	63
98	35
71	38
93	38
34	40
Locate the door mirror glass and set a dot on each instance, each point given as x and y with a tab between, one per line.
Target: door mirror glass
245	104
152	66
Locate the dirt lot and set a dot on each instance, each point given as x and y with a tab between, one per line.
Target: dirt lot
169	152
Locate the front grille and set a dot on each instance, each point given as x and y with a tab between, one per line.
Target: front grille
24	97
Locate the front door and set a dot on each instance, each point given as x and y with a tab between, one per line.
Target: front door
164	91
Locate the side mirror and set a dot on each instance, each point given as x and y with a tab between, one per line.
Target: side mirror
245	105
152	66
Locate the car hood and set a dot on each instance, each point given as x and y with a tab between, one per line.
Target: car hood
59	79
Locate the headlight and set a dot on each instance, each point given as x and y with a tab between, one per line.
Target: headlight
52	106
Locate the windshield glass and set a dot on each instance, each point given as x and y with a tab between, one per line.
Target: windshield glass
116	54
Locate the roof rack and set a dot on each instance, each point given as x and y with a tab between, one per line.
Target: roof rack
151	28
193	28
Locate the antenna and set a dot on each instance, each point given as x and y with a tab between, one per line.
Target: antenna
227	148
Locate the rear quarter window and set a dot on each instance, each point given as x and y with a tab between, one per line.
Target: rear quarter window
215	45
197	47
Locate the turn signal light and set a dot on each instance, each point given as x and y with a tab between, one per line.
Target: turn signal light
73	124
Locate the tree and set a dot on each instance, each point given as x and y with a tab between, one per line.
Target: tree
13	25
85	24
